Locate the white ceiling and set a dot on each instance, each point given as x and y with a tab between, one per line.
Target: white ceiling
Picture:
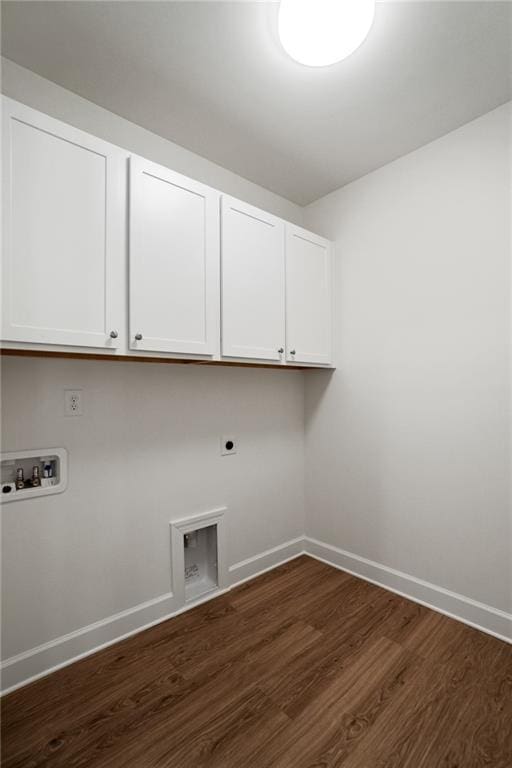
212	77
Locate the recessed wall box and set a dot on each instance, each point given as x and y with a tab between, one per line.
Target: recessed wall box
199	562
51	474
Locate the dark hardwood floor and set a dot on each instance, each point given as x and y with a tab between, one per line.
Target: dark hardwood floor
302	667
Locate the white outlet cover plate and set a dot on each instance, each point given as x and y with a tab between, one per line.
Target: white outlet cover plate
225	439
73	402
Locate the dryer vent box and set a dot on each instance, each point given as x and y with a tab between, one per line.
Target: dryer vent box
199	562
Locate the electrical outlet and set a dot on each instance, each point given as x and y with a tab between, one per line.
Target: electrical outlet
73	402
227	445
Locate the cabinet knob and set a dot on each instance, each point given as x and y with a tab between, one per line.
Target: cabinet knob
292	351
138	337
114	334
281	350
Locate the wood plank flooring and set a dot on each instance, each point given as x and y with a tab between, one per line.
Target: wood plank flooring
303	667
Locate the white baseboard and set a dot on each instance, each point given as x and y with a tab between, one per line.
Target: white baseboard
271	558
478	615
37	662
30	665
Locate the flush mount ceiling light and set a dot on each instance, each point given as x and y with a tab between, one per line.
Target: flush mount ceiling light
321	32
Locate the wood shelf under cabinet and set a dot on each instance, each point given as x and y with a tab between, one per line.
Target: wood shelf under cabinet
148	359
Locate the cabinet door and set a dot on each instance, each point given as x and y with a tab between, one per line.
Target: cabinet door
63	219
174	262
253	300
308	297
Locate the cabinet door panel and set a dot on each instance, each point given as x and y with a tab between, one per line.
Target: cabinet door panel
308	297
174	261
63	219
253	298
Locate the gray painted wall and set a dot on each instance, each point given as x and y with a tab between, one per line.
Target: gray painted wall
408	442
146	451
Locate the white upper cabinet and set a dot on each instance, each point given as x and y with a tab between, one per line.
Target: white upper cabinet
196	278
174	262
63	214
253	282
308	297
